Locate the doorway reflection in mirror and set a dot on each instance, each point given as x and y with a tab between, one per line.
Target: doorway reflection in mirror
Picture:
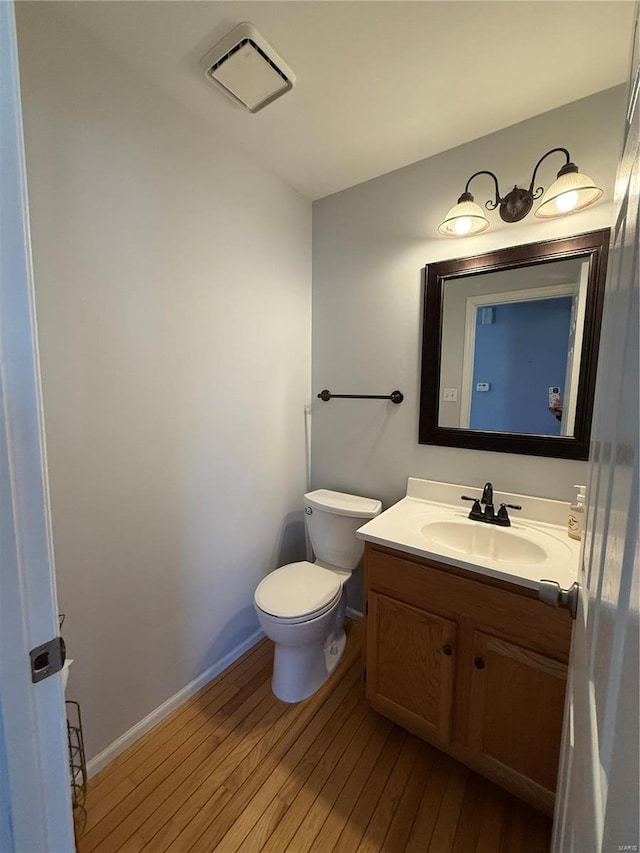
511	344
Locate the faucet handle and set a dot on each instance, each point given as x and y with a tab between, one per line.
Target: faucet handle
502	518
476	509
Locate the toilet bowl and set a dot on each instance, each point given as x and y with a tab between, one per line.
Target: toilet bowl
302	606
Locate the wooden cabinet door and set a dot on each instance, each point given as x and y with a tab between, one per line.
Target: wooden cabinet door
515	713
410	666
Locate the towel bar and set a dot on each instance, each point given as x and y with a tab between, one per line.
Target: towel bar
394	396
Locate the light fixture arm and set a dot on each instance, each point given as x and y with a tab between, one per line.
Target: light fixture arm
490	205
572	168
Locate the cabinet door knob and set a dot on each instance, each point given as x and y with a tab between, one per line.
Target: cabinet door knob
447	650
479	663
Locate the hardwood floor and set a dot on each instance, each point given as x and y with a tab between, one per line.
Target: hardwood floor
234	769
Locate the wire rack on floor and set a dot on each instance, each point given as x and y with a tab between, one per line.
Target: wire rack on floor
77	758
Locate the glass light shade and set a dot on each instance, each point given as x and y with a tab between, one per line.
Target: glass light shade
569	193
464	219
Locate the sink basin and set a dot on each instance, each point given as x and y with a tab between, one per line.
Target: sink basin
430	523
499	544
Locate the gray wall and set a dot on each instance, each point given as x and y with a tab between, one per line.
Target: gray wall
173	285
370	244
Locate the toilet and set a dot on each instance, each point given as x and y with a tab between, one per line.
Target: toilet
302	606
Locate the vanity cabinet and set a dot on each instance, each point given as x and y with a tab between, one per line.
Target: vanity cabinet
475	666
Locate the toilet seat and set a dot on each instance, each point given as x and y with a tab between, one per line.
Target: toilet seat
298	592
299	620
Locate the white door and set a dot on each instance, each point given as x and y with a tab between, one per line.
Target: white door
35	813
597	803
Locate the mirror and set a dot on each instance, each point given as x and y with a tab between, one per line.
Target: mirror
511	346
510	343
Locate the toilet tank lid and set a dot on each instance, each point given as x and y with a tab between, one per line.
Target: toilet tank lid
343	504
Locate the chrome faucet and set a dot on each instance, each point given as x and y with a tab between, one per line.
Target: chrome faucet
488	515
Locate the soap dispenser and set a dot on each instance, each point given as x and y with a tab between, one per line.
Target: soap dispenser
576	514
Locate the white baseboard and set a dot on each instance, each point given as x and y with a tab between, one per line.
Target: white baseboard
114	749
352	613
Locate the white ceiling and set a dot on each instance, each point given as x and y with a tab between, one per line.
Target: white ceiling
379	84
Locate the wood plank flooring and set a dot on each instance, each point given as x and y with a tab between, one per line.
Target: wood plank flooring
234	769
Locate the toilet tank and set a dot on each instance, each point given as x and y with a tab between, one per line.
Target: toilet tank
332	519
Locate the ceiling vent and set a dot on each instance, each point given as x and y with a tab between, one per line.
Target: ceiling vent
248	69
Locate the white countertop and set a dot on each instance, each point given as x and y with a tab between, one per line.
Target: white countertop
408	525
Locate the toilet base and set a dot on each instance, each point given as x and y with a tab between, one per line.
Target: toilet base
300	671
334	650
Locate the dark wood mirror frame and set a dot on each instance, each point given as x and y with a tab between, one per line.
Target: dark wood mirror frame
593	247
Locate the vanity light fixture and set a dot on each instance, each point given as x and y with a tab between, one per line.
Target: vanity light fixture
570	192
